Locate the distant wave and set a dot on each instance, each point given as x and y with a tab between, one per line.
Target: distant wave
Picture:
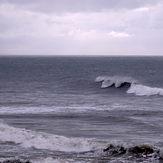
117	81
134	86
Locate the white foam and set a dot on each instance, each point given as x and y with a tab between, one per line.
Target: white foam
161	152
135	87
40	140
141	90
108	81
24	110
48	109
44	160
51	160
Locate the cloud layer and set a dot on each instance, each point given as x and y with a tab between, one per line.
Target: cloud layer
88	27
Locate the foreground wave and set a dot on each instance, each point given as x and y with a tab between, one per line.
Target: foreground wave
41	140
134	86
86	148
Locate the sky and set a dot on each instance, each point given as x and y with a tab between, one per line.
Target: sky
81	27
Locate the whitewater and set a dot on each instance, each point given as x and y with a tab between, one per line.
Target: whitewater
32	139
135	87
81	109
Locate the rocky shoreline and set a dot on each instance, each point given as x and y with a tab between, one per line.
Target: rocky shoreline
137	151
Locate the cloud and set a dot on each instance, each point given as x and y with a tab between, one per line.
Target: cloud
52	6
81	27
119	34
141	9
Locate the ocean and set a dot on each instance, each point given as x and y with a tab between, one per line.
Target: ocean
81	109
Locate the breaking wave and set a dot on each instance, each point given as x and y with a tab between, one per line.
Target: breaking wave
41	140
97	148
134	86
117	81
142	90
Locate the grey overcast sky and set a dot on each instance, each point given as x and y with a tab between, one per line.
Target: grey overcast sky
81	27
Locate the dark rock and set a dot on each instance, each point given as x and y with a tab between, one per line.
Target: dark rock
107	149
115	149
137	150
122	150
142	149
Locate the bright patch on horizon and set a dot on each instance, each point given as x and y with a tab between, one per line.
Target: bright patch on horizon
119	34
142	9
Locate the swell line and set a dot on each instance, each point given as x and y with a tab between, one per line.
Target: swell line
134	86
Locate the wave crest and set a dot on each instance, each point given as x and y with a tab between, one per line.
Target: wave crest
134	86
117	81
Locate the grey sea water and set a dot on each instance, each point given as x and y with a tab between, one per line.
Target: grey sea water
71	109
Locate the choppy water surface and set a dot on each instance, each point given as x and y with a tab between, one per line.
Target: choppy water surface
81	109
